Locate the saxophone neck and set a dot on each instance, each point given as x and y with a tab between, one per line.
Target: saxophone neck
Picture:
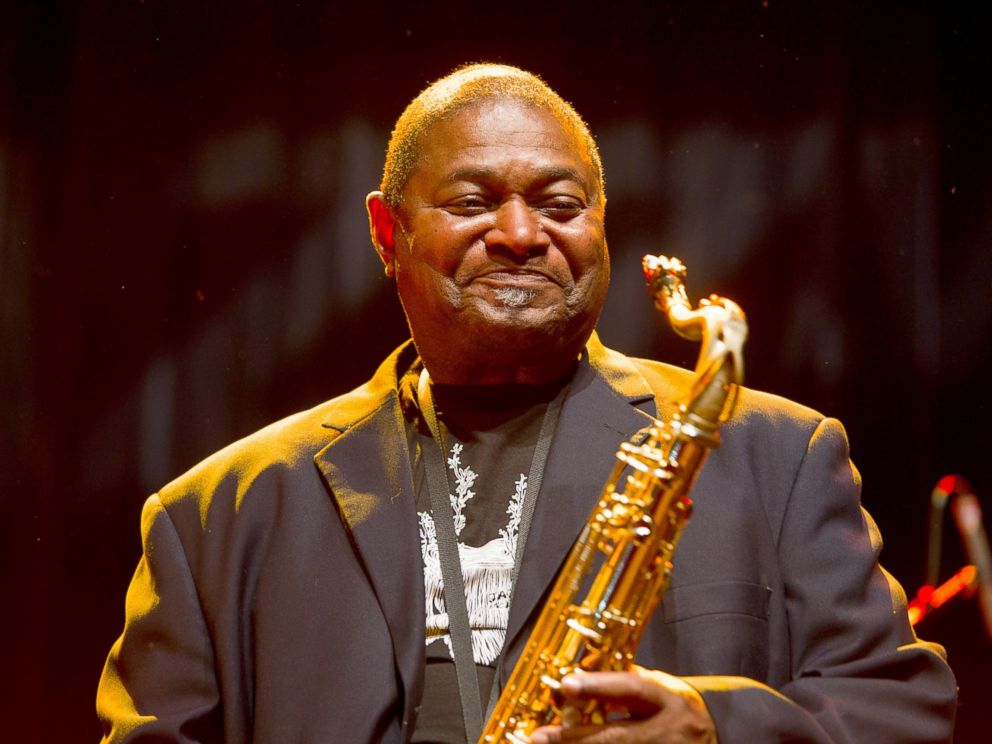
719	325
713	396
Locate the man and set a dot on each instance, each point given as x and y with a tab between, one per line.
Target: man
296	585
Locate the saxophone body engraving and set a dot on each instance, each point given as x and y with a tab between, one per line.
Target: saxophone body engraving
629	539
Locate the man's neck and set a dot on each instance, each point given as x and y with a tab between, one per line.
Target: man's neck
460	372
483	407
500	361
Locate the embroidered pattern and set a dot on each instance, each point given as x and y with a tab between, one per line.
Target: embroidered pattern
487	571
515	508
464	479
433	583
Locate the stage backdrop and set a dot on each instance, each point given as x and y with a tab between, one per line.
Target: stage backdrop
184	252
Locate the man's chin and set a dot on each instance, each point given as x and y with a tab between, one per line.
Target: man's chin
506	328
517	314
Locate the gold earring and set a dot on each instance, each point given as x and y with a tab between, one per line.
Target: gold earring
390	269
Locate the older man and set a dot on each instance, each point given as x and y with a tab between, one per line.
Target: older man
369	570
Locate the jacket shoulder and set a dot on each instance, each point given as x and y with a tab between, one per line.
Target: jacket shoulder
285	448
753	406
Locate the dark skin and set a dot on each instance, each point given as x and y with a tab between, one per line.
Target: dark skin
498	246
499	252
661	709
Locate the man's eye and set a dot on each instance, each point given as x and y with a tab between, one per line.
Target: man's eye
560	208
468	205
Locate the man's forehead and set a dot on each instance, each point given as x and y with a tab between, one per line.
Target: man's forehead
467	142
495	121
539	173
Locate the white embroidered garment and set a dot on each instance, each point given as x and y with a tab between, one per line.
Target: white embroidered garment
487	570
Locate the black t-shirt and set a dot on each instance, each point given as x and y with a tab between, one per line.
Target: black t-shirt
489	434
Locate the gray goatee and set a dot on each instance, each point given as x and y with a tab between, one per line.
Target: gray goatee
515	296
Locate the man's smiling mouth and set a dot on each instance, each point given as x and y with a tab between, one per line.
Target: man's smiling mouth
516	278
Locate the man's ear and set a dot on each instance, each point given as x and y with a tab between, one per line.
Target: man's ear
382	222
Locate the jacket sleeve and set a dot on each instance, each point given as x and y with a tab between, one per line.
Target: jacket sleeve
159	683
858	672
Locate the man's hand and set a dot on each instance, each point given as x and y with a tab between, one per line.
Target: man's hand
661	708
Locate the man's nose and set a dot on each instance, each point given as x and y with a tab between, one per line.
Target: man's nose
517	229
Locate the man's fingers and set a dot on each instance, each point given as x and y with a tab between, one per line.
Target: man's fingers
640	691
661	708
619	689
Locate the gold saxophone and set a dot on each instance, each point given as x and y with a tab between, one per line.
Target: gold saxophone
632	532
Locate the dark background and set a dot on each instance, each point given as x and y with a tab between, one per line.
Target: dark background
184	253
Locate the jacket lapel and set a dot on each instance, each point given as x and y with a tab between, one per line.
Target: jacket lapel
367	469
601	411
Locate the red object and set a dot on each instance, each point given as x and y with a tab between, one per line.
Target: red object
930	598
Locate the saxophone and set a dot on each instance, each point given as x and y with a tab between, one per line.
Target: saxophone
632	532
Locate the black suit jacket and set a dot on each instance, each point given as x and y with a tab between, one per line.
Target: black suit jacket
280	594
